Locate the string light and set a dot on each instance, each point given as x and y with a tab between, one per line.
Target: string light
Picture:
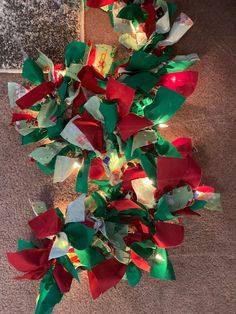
159	258
163	126
62	243
147	181
76	165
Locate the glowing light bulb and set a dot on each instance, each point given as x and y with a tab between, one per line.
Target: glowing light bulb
147	181
62	244
159	258
163	125
76	165
61	72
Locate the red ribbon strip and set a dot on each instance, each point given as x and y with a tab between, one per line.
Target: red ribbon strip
21	116
129	175
97	170
184	146
89	77
93	130
150	23
62	277
139	261
172	172
131	124
185	212
183	83
34	262
98	3
124	204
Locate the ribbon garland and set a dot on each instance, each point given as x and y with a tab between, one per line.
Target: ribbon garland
102	118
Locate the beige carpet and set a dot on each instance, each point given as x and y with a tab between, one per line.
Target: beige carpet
205	264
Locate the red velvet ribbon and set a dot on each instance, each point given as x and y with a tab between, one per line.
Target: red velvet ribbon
122	94
92	56
183	83
63	278
21	116
205	189
121	66
97	170
88	223
89	77
124	204
139	261
150	23
135	237
141	227
184	146
33	262
79	101
131	174
129	123
185	212
173	172
93	130
98	3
